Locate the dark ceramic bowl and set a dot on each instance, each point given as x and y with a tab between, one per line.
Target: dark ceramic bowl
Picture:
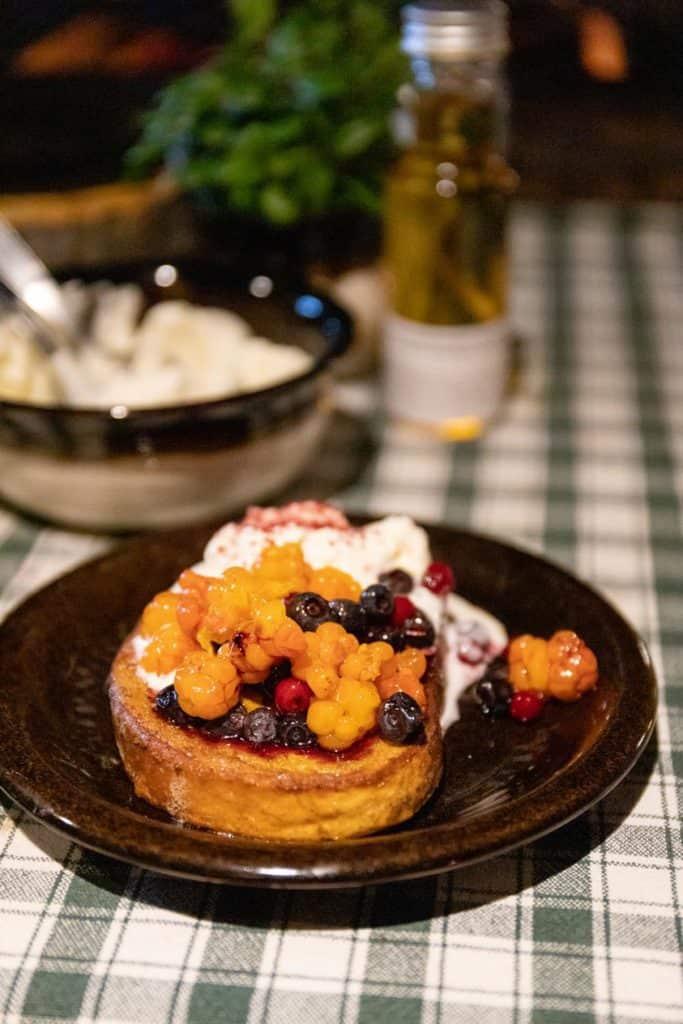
124	469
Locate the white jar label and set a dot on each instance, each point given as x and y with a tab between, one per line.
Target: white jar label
435	374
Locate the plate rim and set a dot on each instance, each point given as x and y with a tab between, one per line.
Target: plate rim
230	862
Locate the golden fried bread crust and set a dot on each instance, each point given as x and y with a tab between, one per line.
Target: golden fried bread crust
230	788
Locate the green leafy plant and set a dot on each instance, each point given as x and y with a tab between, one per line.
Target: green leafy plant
290	120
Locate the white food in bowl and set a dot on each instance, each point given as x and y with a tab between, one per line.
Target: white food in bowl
174	353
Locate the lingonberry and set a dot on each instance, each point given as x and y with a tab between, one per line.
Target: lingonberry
292	696
403	609
439	578
526	705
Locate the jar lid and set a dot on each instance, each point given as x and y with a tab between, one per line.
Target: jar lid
462	29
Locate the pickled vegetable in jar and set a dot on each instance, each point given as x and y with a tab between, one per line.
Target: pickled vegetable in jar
445	213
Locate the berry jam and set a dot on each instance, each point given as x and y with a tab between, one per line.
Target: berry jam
165	704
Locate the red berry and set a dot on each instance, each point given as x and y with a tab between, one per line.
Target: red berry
526	705
438	578
292	696
403	609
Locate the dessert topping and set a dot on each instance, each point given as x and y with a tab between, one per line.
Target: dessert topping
308	610
439	578
387	634
268	635
493	691
473	642
292	696
167	699
231	726
378	602
563	667
206	685
526	705
363	552
260	726
293	732
400	718
572	666
313	514
398	581
403	609
350	615
418	630
494	696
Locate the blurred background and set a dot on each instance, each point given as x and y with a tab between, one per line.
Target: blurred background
596	88
258	136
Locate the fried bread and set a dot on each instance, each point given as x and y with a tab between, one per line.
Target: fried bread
277	794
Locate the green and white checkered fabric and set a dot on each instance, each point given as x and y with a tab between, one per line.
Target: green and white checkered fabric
586	463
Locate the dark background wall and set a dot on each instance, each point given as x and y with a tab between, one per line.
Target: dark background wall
597	89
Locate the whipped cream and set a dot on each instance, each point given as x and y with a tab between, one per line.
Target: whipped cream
365	552
156	681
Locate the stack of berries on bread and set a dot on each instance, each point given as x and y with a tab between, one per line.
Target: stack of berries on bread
273	695
286	654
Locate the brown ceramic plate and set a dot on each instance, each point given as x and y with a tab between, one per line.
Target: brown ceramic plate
504	783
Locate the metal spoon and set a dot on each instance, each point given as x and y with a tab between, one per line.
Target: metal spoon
34	289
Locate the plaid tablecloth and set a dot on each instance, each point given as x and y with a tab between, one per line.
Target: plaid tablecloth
586	464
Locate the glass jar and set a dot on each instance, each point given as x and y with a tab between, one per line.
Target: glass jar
446	338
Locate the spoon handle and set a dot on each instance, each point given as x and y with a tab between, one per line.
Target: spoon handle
27	277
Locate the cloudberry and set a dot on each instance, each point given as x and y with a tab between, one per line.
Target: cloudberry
572	666
206	685
332	584
528	661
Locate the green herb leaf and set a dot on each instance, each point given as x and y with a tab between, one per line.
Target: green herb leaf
291	118
356	136
253	18
278	205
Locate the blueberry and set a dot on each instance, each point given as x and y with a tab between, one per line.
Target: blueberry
350	615
493	697
497	670
293	732
418	630
387	633
282	670
493	691
378	602
308	610
167	705
167	699
400	718
398	581
260	726
230	726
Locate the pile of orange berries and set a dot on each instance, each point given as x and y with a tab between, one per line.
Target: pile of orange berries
563	667
219	633
349	680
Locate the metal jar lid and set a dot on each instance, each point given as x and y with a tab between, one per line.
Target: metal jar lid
469	29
